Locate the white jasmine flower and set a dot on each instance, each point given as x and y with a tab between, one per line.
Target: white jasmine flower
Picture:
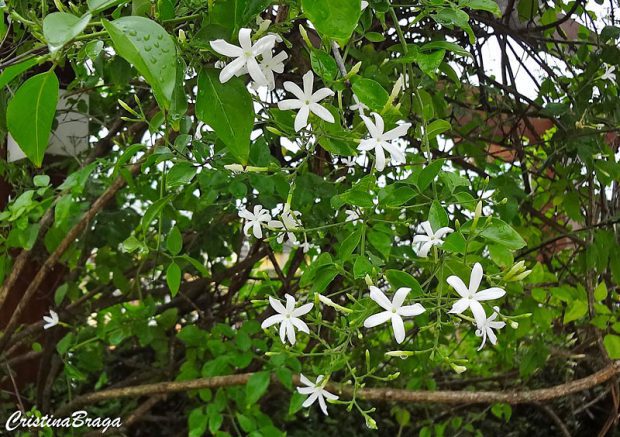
245	55
486	329
316	391
288	318
609	73
394	311
289	222
51	320
305	246
358	106
425	242
352	216
471	297
306	101
255	220
379	140
272	64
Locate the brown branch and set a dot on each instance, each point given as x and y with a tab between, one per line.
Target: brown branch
370	394
69	239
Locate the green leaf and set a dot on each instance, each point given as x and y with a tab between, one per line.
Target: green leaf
576	310
153	211
173	278
323	64
398	279
31	112
484	5
370	93
437	127
502	233
438	216
256	387
227	108
100	5
612	345
147	45
361	267
600	292
428	174
10	73
180	174
349	244
334	19
60	27
174	243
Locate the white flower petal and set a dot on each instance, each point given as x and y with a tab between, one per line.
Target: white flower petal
459	306
379	297
300	324
301	119
478	312
411	310
321	94
269	321
226	48
398	132
489	294
311	399
304	309
276	305
231	69
377	319
399	328
400	296
289	104
322	112
475	278
458	285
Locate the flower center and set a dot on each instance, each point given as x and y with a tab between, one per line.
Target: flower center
394	310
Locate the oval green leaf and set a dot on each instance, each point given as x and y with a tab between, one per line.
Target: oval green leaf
227	108
147	46
334	19
60	27
30	115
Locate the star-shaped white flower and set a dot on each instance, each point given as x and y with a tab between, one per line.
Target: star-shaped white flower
379	140
424	243
288	223
609	73
255	220
306	101
288	318
471	297
352	216
51	320
245	55
486	329
272	64
358	106
316	390
394	311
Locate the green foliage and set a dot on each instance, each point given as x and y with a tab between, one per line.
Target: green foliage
30	114
197	204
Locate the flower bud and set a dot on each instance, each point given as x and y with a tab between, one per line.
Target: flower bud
399	354
182	37
275	131
514	325
370	422
458	369
368	280
235	168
